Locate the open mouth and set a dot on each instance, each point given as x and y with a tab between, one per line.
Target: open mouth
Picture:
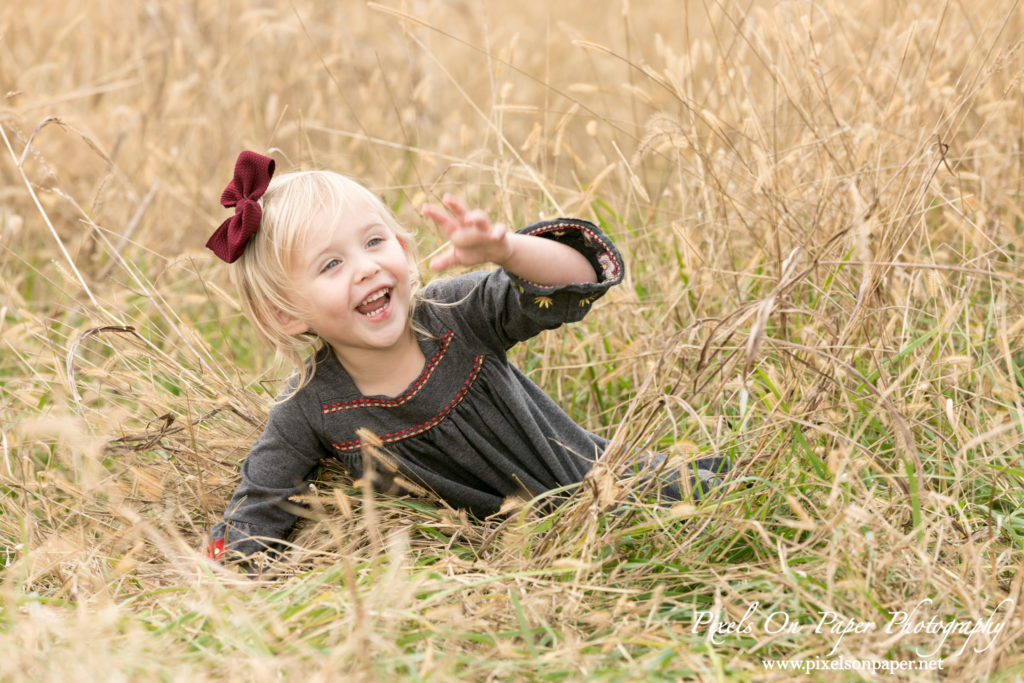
375	303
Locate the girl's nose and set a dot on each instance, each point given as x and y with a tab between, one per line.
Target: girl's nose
366	267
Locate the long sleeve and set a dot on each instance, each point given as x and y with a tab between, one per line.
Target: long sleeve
506	309
277	467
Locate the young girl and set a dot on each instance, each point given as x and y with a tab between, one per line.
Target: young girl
321	263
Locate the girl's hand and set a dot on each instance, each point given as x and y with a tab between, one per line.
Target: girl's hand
473	239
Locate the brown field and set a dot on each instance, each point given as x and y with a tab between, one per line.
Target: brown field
820	205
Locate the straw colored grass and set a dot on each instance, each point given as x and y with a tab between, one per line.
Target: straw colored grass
820	208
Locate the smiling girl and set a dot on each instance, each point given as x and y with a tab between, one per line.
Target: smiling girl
323	266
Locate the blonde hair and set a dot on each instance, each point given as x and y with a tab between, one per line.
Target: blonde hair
262	273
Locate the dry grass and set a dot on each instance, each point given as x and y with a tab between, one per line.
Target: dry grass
820	205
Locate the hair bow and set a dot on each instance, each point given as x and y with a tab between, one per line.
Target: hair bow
252	176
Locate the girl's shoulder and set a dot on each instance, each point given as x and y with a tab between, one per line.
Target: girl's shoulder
304	389
460	300
453	290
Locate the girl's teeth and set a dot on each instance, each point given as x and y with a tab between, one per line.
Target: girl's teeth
376	296
381	296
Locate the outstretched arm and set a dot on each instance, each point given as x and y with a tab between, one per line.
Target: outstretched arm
474	240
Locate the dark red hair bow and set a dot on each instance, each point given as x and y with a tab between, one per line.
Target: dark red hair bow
252	176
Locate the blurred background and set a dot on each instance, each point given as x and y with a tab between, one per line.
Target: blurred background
820	209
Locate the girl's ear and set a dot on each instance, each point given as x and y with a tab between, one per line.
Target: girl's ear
288	324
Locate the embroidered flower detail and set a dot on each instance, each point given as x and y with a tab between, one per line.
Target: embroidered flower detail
543	301
608	265
558	233
586	301
518	286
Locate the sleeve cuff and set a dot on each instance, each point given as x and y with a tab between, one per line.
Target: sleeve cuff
237	540
215	551
588	240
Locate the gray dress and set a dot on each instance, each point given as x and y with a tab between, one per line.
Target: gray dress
472	428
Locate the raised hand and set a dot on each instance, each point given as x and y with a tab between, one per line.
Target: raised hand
472	238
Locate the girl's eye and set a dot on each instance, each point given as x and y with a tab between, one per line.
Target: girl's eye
333	263
374	241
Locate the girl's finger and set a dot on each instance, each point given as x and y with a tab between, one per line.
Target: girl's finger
479	219
455	205
441	219
443	260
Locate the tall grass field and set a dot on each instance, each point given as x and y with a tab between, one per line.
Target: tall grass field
820	209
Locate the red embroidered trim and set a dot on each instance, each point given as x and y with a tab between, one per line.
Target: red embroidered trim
409	393
432	422
591	236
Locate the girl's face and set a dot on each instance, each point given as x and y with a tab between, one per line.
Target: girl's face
351	279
